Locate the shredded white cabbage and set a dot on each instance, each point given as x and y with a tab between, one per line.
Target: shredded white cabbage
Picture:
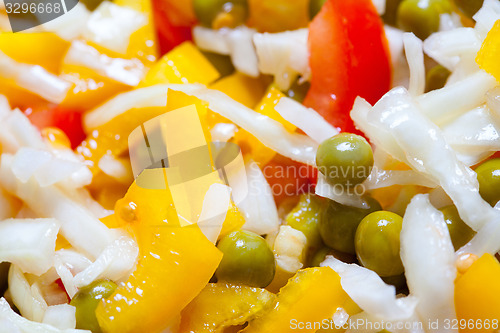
486	17
26	297
234	42
306	119
61	316
126	71
111	26
34	78
397	116
11	321
415	57
115	263
29	243
284	55
338	193
370	292
17	131
429	260
79	226
223	132
258	207
446	104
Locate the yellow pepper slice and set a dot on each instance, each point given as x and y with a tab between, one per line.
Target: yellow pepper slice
143	42
175	264
222	305
278	15
487	57
45	49
477	296
184	64
312	295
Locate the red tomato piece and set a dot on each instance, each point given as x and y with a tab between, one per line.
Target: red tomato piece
349	58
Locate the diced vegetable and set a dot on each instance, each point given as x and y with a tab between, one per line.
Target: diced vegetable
220	305
477	296
348	35
310	296
170	255
286	15
490	50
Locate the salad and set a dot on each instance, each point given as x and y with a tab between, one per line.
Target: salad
251	166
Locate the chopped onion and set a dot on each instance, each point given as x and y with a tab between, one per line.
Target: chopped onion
126	71
429	260
70	25
26	297
79	226
306	119
11	320
415	57
111	26
284	55
35	79
370	293
396	115
29	243
234	42
258	207
61	316
448	103
115	263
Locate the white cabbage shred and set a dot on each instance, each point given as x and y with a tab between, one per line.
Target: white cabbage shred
29	243
415	57
429	261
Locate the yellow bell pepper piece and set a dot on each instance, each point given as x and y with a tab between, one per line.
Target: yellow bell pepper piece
89	89
243	89
312	295
278	15
250	144
487	57
184	64
477	296
45	49
143	42
234	220
175	264
222	305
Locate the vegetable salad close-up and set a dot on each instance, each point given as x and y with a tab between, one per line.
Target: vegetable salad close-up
262	166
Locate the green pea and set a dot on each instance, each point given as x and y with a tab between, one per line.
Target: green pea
338	224
210	12
469	7
247	260
345	159
488	176
305	217
298	91
377	243
460	232
86	301
391	9
421	16
315	7
436	78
